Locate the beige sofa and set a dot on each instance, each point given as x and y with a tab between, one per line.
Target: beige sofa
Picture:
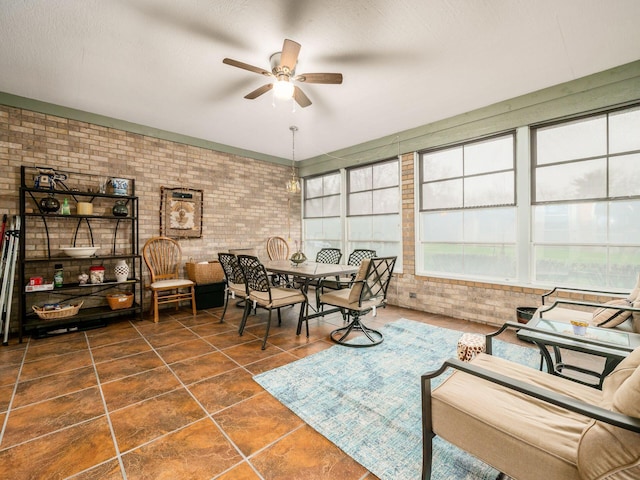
532	425
621	312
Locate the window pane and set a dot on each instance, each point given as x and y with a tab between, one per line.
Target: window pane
313	208
387	228
572	140
442	226
360	203
360	179
445	258
446	194
579	180
491	189
331	206
386	201
624	224
489	156
624	175
442	164
385	175
313	187
624	131
313	228
490	261
322	228
360	228
331	184
570	265
490	225
580	223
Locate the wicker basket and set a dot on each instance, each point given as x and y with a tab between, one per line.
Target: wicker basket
201	273
118	301
65	312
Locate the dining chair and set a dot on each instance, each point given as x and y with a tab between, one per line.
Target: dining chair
163	257
261	293
367	293
235	283
329	255
355	259
277	248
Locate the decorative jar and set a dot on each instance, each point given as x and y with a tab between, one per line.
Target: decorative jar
96	274
121	271
49	204
120	209
120	186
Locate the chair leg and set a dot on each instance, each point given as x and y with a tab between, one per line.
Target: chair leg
247	308
226	304
155	307
302	318
193	301
266	334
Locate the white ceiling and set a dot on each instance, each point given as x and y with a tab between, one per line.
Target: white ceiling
405	63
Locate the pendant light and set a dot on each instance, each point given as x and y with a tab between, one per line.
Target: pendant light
293	185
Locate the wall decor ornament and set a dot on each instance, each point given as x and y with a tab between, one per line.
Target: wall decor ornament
181	212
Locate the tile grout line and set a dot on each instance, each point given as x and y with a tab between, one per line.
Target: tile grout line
106	409
207	414
13	393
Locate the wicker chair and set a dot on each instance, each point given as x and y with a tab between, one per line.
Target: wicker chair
163	257
261	293
234	279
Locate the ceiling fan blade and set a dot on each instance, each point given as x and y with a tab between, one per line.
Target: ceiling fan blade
334	78
289	56
259	91
246	66
300	97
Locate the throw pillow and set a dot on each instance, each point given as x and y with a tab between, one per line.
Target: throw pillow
611	317
635	293
636	317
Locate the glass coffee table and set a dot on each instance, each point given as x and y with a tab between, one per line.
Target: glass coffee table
612	345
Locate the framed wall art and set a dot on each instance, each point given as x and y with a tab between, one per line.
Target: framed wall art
181	212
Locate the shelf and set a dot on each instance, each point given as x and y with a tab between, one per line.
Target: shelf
65	258
43	234
77	286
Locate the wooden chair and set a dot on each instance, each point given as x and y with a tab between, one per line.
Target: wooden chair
277	248
163	257
261	293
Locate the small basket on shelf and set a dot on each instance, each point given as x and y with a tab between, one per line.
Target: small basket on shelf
47	313
119	301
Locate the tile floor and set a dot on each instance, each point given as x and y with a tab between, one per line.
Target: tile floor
175	400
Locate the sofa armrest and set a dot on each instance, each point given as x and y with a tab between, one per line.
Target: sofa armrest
593	411
561	301
584	291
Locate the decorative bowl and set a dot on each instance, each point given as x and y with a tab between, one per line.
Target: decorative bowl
79	252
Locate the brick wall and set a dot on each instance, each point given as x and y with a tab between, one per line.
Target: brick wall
244	202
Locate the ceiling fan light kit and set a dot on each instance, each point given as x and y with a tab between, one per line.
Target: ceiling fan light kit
283	66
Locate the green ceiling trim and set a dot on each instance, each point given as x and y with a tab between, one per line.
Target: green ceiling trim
616	86
108	122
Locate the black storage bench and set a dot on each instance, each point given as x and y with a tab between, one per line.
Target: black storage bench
209	295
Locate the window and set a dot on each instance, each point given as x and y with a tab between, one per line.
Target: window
587	200
373	211
322	221
468	224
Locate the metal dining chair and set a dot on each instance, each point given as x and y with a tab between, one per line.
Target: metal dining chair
235	283
261	293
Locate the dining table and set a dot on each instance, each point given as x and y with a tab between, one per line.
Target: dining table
308	271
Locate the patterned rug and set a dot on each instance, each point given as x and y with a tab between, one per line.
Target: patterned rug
367	400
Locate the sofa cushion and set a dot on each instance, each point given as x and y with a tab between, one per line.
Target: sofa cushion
354	294
636	317
611	317
519	435
635	293
620	393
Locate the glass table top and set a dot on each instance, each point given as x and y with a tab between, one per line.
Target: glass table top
593	333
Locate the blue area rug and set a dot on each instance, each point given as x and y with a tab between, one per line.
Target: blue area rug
367	400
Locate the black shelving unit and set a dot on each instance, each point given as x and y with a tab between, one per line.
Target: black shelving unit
42	236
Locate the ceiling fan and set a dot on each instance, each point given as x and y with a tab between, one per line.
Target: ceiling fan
283	68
